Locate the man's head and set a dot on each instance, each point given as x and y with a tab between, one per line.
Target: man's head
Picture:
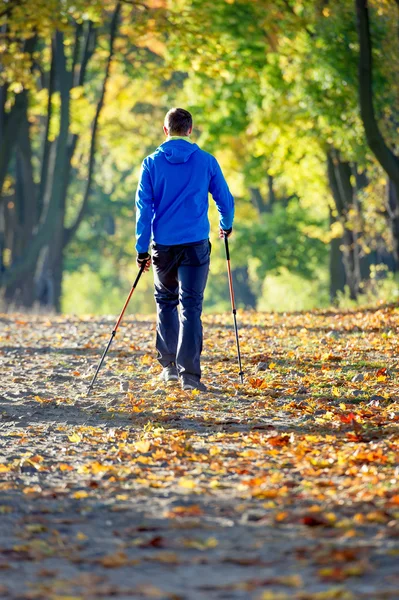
178	122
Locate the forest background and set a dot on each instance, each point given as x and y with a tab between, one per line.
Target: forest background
298	100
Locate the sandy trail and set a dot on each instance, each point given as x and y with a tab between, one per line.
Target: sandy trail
286	487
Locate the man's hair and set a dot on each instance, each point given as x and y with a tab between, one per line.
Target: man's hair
178	121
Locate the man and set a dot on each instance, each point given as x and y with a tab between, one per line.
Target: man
172	205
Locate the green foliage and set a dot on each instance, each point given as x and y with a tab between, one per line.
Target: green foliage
88	291
278	241
382	288
288	291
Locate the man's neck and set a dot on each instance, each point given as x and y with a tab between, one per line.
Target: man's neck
179	137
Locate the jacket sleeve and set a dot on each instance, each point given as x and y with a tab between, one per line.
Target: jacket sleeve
144	210
222	196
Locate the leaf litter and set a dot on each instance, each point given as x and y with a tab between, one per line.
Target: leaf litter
285	487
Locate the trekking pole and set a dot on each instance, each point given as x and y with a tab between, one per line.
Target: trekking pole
142	267
233	306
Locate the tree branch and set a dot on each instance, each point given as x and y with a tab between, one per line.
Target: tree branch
7	11
71	231
76	49
291	10
79	78
46	141
88	50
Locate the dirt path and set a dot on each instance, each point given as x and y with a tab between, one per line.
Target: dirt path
286	487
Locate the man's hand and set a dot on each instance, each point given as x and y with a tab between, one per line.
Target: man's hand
143	257
225	232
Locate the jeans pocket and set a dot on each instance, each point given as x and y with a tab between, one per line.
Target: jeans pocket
197	255
162	256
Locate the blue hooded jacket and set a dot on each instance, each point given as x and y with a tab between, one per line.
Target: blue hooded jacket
172	195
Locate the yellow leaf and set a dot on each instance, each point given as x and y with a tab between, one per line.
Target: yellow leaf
189	484
146	359
81	536
290	580
65	467
35	528
214	484
272	365
34	489
4	469
213	450
75	438
143	446
197	544
80	494
336	392
274	596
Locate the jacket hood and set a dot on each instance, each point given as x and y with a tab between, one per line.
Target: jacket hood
178	151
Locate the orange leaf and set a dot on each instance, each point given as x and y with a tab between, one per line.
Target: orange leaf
65	467
257	382
347	418
279	440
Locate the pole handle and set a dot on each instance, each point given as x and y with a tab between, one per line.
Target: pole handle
226	245
141	271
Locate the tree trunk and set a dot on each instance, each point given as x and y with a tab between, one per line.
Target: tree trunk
339	174
385	156
336	266
22	211
258	201
10	122
393	214
242	289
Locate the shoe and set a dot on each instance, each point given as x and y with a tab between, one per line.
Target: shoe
169	374
189	383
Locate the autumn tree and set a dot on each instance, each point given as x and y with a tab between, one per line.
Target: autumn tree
56	64
382	146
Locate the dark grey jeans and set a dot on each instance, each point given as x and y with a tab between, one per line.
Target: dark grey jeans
180	275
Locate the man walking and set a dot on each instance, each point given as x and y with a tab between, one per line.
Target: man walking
172	205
